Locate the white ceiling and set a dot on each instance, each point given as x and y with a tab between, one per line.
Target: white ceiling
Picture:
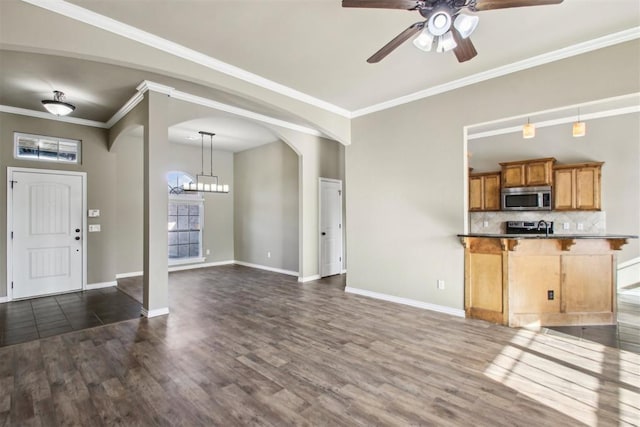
312	46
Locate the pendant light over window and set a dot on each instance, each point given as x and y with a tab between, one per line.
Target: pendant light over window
57	106
579	127
528	130
206	182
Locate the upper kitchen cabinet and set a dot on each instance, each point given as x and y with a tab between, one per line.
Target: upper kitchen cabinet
484	191
577	186
527	173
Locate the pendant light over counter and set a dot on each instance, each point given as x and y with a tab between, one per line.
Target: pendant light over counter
206	182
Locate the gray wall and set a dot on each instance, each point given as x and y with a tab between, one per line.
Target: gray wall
266	206
100	166
218	223
406	170
613	140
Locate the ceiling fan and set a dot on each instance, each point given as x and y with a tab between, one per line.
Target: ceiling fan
444	24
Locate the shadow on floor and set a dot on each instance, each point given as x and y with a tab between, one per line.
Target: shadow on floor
28	320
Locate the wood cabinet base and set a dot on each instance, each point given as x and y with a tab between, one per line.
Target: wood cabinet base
540	282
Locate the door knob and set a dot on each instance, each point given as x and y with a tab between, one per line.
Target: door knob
77	237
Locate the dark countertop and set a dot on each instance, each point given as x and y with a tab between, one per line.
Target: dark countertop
551	236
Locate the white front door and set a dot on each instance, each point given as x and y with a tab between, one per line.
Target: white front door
330	227
46	225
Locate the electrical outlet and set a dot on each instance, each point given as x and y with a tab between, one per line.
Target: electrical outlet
440	284
268	254
208	252
566	226
580	226
550	295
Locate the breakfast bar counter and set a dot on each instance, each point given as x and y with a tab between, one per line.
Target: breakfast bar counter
539	280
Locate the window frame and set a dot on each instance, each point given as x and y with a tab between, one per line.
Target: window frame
186	199
77	142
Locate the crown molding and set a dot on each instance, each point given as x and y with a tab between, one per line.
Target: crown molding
545	58
116	27
147	85
194	99
49	116
78	13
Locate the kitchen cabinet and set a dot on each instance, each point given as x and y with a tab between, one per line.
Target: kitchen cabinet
484	191
527	173
577	186
541	282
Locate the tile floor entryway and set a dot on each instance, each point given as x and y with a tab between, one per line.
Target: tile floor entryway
27	320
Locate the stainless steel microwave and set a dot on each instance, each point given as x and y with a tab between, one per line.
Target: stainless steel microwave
526	199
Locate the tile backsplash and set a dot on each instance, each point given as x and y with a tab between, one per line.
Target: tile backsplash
593	222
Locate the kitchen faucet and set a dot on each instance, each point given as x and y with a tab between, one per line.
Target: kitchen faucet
546	226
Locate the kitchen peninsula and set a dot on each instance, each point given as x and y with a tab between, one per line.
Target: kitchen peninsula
541	280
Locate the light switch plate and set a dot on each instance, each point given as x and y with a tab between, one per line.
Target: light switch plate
94	213
94	228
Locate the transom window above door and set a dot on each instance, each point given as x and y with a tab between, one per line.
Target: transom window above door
46	148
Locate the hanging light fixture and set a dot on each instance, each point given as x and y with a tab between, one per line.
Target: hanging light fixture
57	106
212	184
579	127
466	24
528	130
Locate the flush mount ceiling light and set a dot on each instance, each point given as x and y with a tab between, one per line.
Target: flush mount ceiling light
528	130
442	19
57	106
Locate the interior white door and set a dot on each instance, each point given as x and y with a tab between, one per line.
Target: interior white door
330	227
47	233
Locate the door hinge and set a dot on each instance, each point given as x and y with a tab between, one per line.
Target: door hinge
339	225
12	235
339	192
11	285
340	259
13	182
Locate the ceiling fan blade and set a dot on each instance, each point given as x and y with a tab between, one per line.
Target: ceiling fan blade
465	49
397	41
503	4
382	4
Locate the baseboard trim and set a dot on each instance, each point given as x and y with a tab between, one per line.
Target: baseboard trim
92	286
199	265
127	275
264	267
154	313
406	301
309	278
4	299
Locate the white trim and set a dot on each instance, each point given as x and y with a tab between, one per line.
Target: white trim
125	109
198	100
309	278
567	114
264	267
4	299
201	265
49	116
629	263
406	301
105	23
83	176
545	58
344	271
131	274
101	285
148	85
154	313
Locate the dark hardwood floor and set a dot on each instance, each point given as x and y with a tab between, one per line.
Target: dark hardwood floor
249	347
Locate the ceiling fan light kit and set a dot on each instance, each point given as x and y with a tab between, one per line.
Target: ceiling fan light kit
57	106
443	21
